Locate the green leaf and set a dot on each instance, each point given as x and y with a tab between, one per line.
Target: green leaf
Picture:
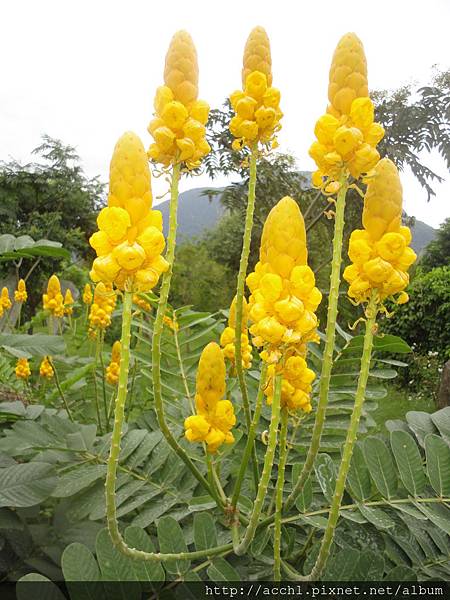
26	484
12	248
304	499
171	541
221	570
438	464
35	585
341	565
205	535
79	565
376	516
438	514
381	466
78	479
325	475
9	519
358	478
441	420
370	566
37	344
144	570
409	462
116	567
401	574
421	424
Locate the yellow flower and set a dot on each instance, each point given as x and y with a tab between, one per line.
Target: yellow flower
129	242
68	302
102	307
228	337
87	294
178	127
46	369
283	298
112	370
257	106
53	300
215	417
380	253
20	295
22	369
4	299
295	386
171	323
348	75
346	135
142	303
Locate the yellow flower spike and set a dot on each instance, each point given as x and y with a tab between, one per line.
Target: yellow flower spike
380	253
112	370
348	75
346	135
178	128
20	294
215	417
228	337
22	369
68	302
87	294
283	294
129	241
102	307
46	369
53	300
296	384
5	299
257	56
257	106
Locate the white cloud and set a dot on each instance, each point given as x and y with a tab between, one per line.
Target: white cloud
86	71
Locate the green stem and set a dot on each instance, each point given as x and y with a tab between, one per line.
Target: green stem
113	460
182	370
279	496
327	364
97	403
371	314
61	393
157	334
240	299
242	547
251	437
102	365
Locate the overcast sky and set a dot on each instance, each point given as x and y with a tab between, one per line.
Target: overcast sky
86	71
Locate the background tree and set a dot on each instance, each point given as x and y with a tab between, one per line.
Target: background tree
437	253
50	198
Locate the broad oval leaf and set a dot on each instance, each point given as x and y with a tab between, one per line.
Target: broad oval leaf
221	570
79	565
438	464
35	585
26	484
171	541
409	462
325	475
358	478
205	535
381	466
145	570
116	567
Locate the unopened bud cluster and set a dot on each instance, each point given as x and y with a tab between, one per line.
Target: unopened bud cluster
228	337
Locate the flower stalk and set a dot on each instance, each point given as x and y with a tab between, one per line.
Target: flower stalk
279	496
241	547
371	314
327	364
240	299
157	334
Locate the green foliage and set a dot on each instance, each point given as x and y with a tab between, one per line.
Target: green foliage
423	321
199	280
416	120
50	198
437	253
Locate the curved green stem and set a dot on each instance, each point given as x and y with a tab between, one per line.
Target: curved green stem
327	364
157	334
251	437
240	299
279	496
59	388
102	366
242	547
113	459
371	314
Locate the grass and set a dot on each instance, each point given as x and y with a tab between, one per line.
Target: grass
397	403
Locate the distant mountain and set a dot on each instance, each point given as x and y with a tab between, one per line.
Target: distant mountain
198	213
